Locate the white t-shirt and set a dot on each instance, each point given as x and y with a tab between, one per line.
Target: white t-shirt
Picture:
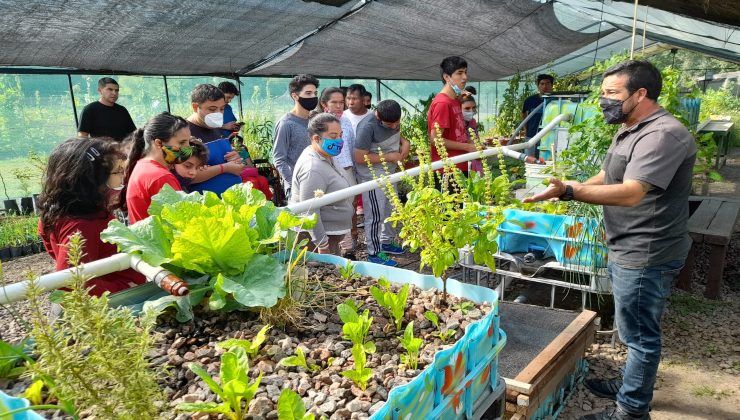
355	119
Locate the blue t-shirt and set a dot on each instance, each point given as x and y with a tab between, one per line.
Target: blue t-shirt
228	117
533	124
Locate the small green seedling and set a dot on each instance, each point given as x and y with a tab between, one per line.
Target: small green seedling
412	345
443	334
251	348
464	307
290	406
234	388
356	327
299	360
10	360
353	304
394	303
348	271
360	374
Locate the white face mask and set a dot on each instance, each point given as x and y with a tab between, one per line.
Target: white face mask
468	115
214	120
118	188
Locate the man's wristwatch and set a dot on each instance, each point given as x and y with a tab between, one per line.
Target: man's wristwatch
568	194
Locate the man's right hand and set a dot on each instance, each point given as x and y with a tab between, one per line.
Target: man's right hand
231	126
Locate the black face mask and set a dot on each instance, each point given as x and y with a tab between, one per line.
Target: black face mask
308	103
612	110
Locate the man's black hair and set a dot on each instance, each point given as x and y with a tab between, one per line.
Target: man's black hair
641	74
541	77
388	110
106	81
450	65
204	93
228	87
356	87
301	80
472	90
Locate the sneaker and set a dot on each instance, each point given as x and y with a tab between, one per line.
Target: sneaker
350	255
360	222
382	258
616	413
392	248
604	388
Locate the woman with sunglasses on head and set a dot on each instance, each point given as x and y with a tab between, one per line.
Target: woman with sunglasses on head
80	192
162	142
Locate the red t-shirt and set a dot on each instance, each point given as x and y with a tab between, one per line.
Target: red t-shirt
447	113
56	242
146	180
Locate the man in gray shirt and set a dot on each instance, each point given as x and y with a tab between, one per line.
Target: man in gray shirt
644	187
291	135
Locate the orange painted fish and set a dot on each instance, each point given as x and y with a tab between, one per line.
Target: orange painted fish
574	231
570	251
529	225
449	379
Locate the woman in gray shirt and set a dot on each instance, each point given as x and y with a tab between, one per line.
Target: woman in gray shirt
314	175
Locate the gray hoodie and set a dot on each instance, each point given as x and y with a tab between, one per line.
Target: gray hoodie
314	173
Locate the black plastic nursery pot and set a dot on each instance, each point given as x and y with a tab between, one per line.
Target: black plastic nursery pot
29	249
11	207
39	247
27	205
16	251
5	254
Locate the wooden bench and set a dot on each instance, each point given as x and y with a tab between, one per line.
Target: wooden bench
712	223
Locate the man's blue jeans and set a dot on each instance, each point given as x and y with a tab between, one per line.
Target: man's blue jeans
639	300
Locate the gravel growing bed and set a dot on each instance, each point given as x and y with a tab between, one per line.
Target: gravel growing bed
324	392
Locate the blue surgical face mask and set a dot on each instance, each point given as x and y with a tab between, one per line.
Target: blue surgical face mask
456	89
332	147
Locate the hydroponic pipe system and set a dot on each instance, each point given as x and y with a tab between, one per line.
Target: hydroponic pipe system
178	287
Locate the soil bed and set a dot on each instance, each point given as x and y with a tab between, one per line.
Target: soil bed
325	392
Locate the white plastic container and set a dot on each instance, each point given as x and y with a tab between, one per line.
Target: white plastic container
535	174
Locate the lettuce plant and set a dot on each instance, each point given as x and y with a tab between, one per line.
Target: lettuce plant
229	239
290	406
360	374
394	303
299	360
234	389
412	345
356	326
443	334
348	271
250	347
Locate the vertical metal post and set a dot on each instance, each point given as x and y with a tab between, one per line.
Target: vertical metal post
377	90
74	107
340	82
241	107
166	93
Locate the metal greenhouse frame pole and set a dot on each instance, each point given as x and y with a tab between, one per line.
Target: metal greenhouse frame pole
74	107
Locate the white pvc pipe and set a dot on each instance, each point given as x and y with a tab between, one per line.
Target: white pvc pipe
119	262
352	191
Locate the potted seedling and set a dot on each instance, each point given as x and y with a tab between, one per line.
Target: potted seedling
24	175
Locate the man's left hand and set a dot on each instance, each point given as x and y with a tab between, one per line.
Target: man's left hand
232	156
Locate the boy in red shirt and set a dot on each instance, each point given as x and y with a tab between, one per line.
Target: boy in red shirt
446	111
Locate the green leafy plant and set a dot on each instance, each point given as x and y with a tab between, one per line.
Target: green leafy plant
299	360
394	303
412	345
510	112
235	390
464	306
360	375
11	357
257	134
356	326
443	334
348	271
290	406
230	239
24	177
353	304
251	348
94	357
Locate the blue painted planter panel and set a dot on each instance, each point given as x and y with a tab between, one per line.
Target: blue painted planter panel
570	239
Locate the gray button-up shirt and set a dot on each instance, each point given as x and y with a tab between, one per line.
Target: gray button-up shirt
660	151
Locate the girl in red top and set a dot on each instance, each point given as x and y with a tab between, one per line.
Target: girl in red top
163	141
79	195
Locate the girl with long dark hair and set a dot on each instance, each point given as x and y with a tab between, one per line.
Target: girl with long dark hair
79	194
162	142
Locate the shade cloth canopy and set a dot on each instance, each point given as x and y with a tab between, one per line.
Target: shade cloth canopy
382	39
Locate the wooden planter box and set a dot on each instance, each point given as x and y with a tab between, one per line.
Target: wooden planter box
541	388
